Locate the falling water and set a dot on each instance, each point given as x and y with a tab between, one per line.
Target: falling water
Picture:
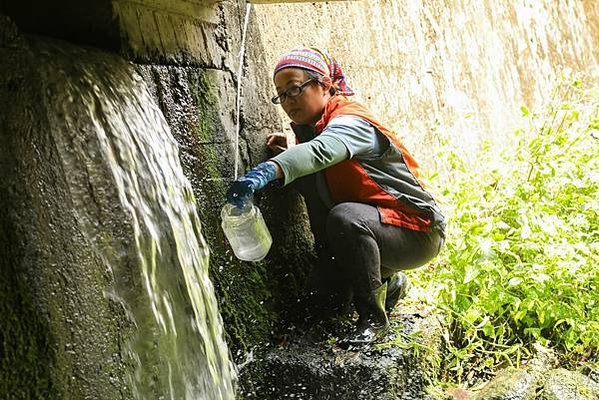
110	126
248	9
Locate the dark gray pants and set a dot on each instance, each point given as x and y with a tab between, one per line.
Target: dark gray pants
355	249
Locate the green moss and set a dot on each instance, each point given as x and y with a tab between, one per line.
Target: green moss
25	364
241	288
203	91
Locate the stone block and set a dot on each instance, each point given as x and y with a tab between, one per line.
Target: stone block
390	371
562	384
511	383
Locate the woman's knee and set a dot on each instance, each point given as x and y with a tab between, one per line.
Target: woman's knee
346	220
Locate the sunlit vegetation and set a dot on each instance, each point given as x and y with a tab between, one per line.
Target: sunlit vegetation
521	262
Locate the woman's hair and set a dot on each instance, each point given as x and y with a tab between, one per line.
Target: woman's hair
320	79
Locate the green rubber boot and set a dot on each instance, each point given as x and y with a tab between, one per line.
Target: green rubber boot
397	288
373	322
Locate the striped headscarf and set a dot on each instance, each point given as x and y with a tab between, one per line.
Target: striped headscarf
319	61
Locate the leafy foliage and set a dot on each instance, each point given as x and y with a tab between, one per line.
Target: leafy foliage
521	260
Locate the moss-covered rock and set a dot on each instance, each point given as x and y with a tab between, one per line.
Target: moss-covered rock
400	367
562	384
61	336
510	384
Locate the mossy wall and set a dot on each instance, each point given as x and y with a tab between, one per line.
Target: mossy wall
63	337
253	297
194	78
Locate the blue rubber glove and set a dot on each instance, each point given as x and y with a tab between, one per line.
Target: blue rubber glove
242	190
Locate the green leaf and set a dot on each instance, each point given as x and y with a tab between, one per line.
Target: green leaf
515	281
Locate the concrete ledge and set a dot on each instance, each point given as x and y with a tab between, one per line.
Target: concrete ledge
389	371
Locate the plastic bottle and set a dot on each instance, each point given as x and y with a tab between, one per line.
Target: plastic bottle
246	231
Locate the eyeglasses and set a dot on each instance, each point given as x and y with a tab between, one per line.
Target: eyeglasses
292	92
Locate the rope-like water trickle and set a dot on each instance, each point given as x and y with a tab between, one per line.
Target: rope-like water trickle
248	9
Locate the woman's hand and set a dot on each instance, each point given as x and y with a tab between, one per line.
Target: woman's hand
277	142
241	191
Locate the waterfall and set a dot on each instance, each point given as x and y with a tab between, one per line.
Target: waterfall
109	125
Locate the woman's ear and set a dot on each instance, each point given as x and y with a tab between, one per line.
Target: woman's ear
327	83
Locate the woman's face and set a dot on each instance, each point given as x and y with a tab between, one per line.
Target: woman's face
307	108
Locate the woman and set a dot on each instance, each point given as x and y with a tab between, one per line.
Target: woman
369	214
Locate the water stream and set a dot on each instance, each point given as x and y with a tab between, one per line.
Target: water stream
246	20
111	128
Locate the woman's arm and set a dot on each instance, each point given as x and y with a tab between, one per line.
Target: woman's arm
345	137
308	158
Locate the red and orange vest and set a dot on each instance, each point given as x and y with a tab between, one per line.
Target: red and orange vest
390	182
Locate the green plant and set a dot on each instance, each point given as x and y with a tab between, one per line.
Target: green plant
520	263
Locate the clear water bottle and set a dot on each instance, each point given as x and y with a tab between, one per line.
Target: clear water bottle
246	231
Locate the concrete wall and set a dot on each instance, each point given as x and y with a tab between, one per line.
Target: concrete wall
186	52
458	69
61	337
